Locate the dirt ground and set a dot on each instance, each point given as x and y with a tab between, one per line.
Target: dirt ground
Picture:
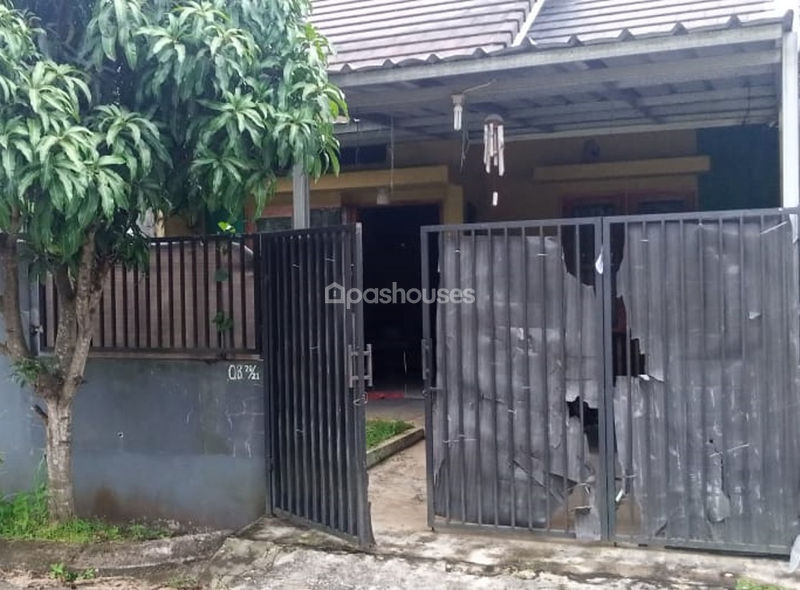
28	580
171	577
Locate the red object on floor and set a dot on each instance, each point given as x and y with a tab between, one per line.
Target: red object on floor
373	395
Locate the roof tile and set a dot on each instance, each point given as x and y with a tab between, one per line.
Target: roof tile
589	21
370	33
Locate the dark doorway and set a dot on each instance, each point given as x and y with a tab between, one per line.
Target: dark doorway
392	253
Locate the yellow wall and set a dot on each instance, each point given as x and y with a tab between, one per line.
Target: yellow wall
521	197
464	192
357	189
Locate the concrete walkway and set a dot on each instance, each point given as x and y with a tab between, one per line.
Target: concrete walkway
397	492
282	568
272	554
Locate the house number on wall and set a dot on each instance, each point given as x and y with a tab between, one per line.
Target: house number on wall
239	372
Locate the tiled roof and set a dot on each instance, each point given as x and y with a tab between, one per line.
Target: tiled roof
562	22
369	34
374	33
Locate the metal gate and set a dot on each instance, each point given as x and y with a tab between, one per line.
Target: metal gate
314	379
704	383
627	379
514	387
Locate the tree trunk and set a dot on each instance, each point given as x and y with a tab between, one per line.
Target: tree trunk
61	501
59	378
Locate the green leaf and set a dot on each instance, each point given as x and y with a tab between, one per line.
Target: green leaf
9	163
131	54
25	149
111	161
106	198
26	182
121	12
72	153
109	47
159	45
43	149
35	100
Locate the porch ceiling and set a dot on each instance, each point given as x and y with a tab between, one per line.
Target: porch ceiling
723	77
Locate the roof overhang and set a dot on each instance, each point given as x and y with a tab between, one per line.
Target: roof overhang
682	80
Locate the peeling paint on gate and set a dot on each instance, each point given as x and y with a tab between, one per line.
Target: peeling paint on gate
675	422
707	436
518	375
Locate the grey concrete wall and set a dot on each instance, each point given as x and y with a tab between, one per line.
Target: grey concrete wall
153	439
21	431
174	439
21	436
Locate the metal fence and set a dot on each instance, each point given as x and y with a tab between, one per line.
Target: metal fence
198	295
706	423
514	378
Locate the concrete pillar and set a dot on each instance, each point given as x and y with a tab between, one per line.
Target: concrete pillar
301	198
790	122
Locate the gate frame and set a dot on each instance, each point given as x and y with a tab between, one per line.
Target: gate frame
605	476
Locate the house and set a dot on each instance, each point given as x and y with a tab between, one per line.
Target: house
616	180
674	114
608	108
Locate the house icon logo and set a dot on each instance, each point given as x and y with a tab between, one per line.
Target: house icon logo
335	294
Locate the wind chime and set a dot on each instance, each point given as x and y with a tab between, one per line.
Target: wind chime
494	144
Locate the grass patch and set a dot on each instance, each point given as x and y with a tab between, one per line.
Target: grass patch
751	585
65	575
379	430
183	582
25	517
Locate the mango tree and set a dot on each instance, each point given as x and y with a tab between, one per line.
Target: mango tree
110	109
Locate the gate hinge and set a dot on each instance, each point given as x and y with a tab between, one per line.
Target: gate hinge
353	363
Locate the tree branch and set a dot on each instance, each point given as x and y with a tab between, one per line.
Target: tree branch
66	328
16	343
88	285
84	281
40	412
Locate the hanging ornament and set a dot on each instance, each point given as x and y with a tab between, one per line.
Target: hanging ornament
458	111
494	144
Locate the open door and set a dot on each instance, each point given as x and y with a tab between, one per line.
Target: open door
315	368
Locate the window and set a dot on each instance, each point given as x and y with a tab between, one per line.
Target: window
319	218
628	204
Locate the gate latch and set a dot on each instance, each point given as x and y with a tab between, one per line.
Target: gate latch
355	374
